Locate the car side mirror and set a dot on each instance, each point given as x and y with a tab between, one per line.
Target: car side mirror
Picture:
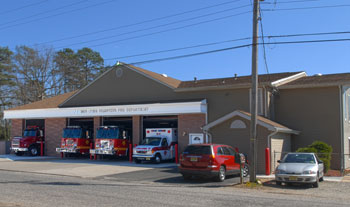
320	162
279	161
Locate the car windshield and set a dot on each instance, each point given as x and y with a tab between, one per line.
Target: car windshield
154	141
72	133
29	133
107	133
299	158
197	150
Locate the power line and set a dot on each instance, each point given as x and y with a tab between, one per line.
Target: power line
227	41
263	43
139	23
167	30
158	26
41	13
306	8
66	12
233	48
23	7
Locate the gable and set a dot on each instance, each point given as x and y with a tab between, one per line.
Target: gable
121	85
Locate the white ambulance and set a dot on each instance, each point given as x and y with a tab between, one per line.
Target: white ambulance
158	145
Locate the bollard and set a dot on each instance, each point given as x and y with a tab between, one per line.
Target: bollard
42	148
95	157
62	155
267	162
130	152
176	154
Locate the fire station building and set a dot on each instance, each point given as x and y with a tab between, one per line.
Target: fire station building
294	110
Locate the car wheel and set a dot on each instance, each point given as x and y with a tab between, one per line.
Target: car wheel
315	184
222	174
278	182
245	170
33	151
321	179
158	159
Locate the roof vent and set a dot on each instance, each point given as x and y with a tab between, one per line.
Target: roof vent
223	81
164	75
318	74
195	79
235	76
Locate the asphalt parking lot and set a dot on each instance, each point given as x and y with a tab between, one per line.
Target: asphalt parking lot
117	170
169	176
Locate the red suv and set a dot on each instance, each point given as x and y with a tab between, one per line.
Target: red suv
210	160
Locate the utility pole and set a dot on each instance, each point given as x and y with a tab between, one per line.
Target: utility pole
254	95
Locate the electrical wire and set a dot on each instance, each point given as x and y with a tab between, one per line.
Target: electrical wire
162	25
263	41
138	23
233	48
23	7
226	41
306	8
54	15
41	13
163	31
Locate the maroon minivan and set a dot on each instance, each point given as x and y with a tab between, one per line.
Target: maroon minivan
210	160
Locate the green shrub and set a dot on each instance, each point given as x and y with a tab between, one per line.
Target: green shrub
323	151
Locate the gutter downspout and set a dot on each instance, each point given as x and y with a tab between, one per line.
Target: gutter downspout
208	135
342	161
269	146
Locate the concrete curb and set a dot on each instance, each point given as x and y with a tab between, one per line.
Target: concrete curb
326	178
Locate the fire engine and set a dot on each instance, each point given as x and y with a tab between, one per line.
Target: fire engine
75	140
30	141
111	140
158	145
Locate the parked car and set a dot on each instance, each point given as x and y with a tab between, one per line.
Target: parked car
299	168
211	161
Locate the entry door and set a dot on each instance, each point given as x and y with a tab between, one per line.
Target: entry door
196	138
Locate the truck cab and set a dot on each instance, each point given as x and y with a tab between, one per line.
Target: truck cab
158	145
75	140
30	141
111	140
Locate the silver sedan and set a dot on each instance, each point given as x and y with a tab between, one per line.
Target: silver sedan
299	168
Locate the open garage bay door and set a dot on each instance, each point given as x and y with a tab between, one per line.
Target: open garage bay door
85	123
122	122
159	122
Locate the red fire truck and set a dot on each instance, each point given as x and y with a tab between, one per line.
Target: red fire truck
111	140
75	140
158	145
30	141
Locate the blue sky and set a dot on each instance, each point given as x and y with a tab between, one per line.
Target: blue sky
49	20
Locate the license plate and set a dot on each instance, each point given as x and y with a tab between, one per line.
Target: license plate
148	158
293	178
194	159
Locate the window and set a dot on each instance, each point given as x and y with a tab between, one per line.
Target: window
164	143
226	151
220	151
260	100
197	150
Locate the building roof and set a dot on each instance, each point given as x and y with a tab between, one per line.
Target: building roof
52	102
267	123
172	82
319	81
264	79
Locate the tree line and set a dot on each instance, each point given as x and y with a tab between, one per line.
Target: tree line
30	74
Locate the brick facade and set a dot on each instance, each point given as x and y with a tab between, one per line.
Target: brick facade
53	134
136	129
16	127
189	123
97	123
